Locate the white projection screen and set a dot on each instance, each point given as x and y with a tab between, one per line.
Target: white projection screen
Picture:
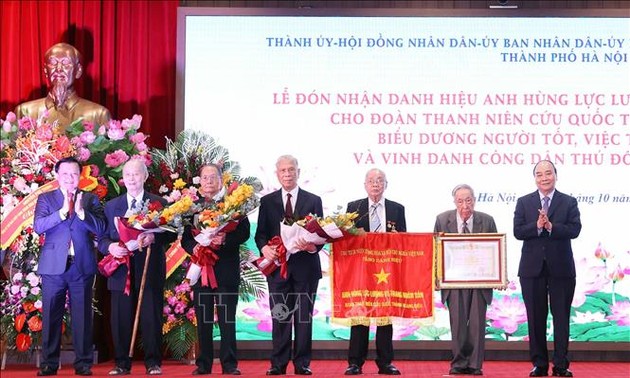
434	99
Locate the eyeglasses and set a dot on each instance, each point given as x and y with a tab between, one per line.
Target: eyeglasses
467	201
210	178
379	181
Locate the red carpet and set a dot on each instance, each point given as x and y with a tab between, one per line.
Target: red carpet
335	368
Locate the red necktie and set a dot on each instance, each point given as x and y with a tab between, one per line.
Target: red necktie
70	204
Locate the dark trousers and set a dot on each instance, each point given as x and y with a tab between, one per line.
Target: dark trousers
559	291
225	299
291	303
359	340
54	289
467	315
123	309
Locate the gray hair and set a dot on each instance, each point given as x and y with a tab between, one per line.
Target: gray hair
377	170
290	158
139	162
463	186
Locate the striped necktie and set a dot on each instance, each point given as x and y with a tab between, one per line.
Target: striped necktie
375	220
465	229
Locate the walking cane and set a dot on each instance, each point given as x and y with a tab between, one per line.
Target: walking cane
140	295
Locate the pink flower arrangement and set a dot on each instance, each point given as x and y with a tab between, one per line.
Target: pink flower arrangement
30	149
178	307
261	313
507	313
620	313
116	158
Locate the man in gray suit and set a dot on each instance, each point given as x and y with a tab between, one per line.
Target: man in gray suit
467	307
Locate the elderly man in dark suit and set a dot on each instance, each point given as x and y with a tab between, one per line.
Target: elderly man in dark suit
375	214
546	221
227	271
122	305
291	299
466	307
70	220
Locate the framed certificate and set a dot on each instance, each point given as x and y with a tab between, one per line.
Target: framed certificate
471	261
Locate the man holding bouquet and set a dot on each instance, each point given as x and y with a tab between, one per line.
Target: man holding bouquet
292	293
375	214
225	267
123	297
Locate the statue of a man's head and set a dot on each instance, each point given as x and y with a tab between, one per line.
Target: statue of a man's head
62	65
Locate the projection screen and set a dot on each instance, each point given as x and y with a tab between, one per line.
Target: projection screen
434	100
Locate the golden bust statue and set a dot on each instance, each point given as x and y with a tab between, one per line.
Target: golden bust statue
62	65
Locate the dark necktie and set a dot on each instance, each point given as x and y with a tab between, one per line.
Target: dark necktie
133	204
288	210
546	204
465	229
70	204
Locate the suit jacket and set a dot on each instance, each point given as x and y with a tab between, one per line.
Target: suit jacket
554	248
59	233
482	222
117	207
394	214
227	269
303	265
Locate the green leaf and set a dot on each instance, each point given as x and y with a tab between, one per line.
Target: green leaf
599	333
433	332
580	330
75	128
249	331
595	304
180	339
342	333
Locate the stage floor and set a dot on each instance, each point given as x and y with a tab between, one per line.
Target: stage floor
335	368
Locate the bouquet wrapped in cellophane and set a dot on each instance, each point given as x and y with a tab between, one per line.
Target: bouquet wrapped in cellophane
213	222
310	229
150	217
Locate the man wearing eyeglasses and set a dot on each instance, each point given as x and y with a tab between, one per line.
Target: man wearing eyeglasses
466	307
375	214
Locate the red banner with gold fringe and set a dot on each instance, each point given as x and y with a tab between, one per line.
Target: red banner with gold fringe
383	275
22	215
175	256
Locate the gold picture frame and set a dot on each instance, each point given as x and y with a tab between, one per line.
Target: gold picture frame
473	261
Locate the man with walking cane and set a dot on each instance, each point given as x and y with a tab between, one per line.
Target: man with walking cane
144	274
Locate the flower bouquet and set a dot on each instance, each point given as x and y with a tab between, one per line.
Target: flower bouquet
22	310
310	229
29	149
151	217
213	222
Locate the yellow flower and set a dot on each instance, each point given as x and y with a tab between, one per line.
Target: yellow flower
179	183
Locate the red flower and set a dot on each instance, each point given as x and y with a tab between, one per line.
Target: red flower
22	342
155	206
101	191
63	144
35	324
19	322
28	307
232	187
